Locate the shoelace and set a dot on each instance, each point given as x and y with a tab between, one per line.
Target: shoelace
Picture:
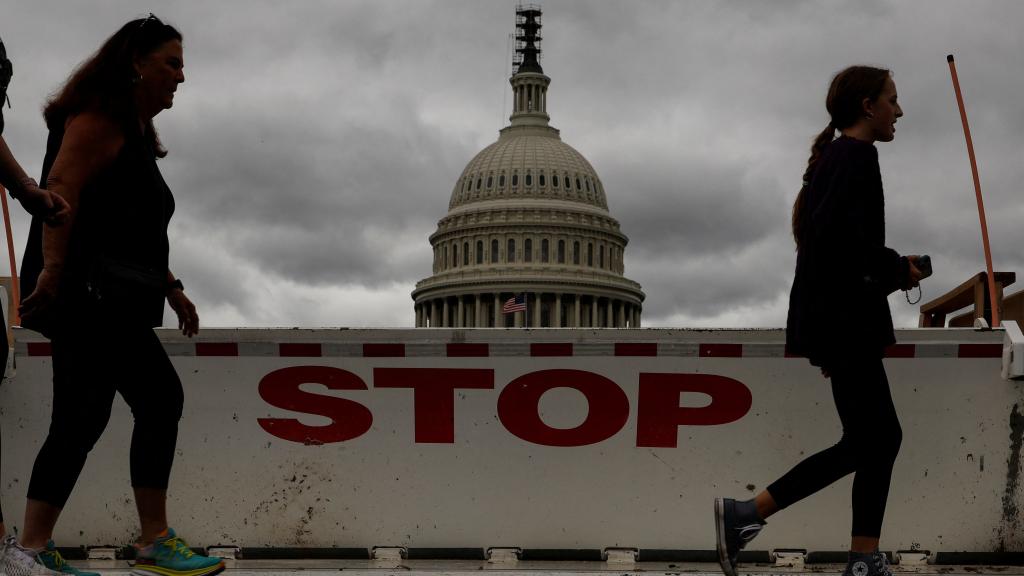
882	564
177	545
58	560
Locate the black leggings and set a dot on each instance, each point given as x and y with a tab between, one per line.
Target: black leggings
871	440
89	366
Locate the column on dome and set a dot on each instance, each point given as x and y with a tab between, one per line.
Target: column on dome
609	318
536	309
558	311
593	312
460	320
622	314
497	310
577	303
433	313
444	315
636	316
419	315
477	316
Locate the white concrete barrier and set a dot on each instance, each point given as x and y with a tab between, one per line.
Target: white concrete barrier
533	439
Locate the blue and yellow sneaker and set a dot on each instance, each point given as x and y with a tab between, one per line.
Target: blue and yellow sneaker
171	556
51	558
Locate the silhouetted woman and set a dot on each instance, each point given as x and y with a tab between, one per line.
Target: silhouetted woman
842	261
103	278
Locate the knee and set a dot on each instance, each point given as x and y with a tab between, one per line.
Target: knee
162	408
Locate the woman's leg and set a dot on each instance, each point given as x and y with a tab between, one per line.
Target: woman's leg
871	440
82	397
155	397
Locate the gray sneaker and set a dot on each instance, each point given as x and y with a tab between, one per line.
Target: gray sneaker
874	564
736	524
18	561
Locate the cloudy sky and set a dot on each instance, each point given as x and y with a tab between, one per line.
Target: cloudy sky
314	145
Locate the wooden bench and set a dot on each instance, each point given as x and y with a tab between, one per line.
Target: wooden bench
973	292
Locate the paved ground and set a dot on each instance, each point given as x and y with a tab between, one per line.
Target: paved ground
473	568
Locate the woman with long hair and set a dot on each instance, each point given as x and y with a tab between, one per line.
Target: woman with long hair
842	265
105	276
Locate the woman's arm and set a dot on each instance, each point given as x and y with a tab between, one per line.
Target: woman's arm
188	319
91	143
34	199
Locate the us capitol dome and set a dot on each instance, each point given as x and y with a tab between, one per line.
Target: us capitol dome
528	218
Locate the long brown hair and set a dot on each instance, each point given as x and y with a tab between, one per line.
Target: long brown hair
104	82
848	90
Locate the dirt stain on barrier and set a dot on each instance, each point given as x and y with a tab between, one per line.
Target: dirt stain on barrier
1009	527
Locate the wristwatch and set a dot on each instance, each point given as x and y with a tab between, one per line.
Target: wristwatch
176	284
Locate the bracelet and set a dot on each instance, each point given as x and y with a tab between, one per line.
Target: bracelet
176	284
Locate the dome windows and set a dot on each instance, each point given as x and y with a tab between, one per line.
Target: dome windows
479	182
465	253
567	184
479	252
554	181
541	180
528	250
501	180
490	182
561	251
578	187
515	180
494	251
529	179
510	254
576	253
544	258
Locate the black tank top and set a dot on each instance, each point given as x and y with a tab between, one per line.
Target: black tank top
122	218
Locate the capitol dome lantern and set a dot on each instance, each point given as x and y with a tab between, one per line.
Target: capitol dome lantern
528	218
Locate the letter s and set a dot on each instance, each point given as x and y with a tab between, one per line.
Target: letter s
280	388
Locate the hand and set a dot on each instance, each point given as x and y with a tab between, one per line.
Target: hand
37	201
915	274
188	320
42	297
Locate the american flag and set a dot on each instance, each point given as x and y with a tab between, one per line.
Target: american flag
515	304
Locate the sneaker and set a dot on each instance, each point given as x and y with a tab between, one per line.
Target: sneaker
171	556
18	561
736	524
874	564
52	559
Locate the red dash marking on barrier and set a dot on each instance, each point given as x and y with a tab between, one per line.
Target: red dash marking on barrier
636	349
383	350
216	349
980	351
721	350
299	350
551	349
474	350
901	351
39	349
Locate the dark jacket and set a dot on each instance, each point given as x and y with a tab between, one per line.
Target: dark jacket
838	307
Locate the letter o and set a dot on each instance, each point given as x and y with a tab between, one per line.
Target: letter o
608	407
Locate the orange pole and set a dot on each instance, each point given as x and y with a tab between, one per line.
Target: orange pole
15	297
977	192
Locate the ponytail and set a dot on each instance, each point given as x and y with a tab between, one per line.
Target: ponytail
823	139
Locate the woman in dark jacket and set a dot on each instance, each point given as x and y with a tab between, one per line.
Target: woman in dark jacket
839	319
104	277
